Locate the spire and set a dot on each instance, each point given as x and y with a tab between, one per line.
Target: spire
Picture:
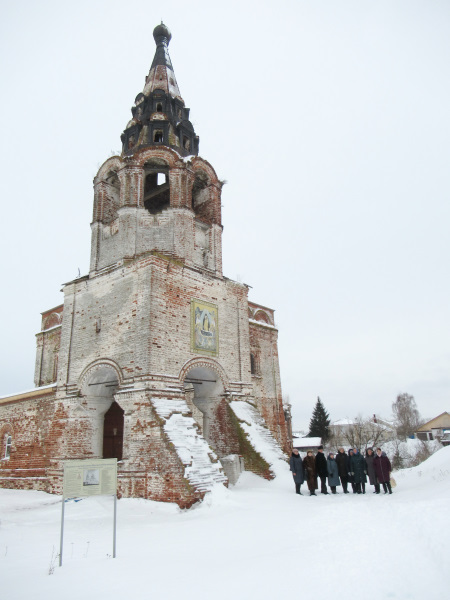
159	114
161	75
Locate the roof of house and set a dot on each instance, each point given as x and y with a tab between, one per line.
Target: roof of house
306	442
443	420
343	422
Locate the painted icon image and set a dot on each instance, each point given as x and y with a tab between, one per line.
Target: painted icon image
204	327
91	477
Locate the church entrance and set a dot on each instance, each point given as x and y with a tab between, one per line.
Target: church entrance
105	414
204	392
205	395
113	432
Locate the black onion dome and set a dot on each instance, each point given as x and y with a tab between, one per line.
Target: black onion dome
162	33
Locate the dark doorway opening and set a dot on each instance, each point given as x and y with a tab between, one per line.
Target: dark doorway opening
113	432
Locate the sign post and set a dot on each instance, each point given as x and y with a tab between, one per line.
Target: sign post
90	477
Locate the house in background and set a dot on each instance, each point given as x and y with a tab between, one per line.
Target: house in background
436	429
305	444
361	432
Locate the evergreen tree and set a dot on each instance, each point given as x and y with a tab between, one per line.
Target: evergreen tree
319	426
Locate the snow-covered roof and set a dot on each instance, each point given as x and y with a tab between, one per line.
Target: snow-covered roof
343	422
30	391
306	442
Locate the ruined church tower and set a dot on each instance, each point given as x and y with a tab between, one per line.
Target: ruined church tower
154	352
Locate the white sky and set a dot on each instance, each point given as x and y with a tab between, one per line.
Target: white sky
329	120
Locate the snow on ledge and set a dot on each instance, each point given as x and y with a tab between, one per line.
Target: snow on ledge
36	389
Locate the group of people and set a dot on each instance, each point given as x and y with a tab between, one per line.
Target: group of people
345	468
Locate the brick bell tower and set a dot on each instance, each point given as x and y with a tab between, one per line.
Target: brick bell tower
159	195
155	358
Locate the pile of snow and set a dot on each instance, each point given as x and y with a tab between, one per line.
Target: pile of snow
257	539
202	467
433	473
411	451
259	435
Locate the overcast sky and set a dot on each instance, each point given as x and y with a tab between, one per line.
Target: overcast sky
330	122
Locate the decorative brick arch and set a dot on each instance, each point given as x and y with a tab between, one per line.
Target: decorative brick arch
200	164
206	363
115	163
263	317
95	367
52	320
6	428
169	156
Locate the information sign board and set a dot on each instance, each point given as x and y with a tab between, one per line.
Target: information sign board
90	477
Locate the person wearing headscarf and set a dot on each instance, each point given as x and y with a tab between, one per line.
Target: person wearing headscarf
383	470
343	468
358	468
333	475
309	467
321	469
370	457
296	466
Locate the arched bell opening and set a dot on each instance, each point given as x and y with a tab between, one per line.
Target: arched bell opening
111	199
156	188
202	203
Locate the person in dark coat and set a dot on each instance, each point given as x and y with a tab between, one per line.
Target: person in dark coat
333	475
309	467
358	468
370	457
351	479
296	466
321	470
343	468
383	470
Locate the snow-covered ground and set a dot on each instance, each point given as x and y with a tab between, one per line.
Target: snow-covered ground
257	540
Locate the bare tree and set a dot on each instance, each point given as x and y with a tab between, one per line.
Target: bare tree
407	418
398	460
363	433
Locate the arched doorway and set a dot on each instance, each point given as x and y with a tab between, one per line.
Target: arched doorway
106	417
206	397
113	432
204	392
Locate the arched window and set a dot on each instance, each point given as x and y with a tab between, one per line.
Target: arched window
158	136
8	444
159	107
252	364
